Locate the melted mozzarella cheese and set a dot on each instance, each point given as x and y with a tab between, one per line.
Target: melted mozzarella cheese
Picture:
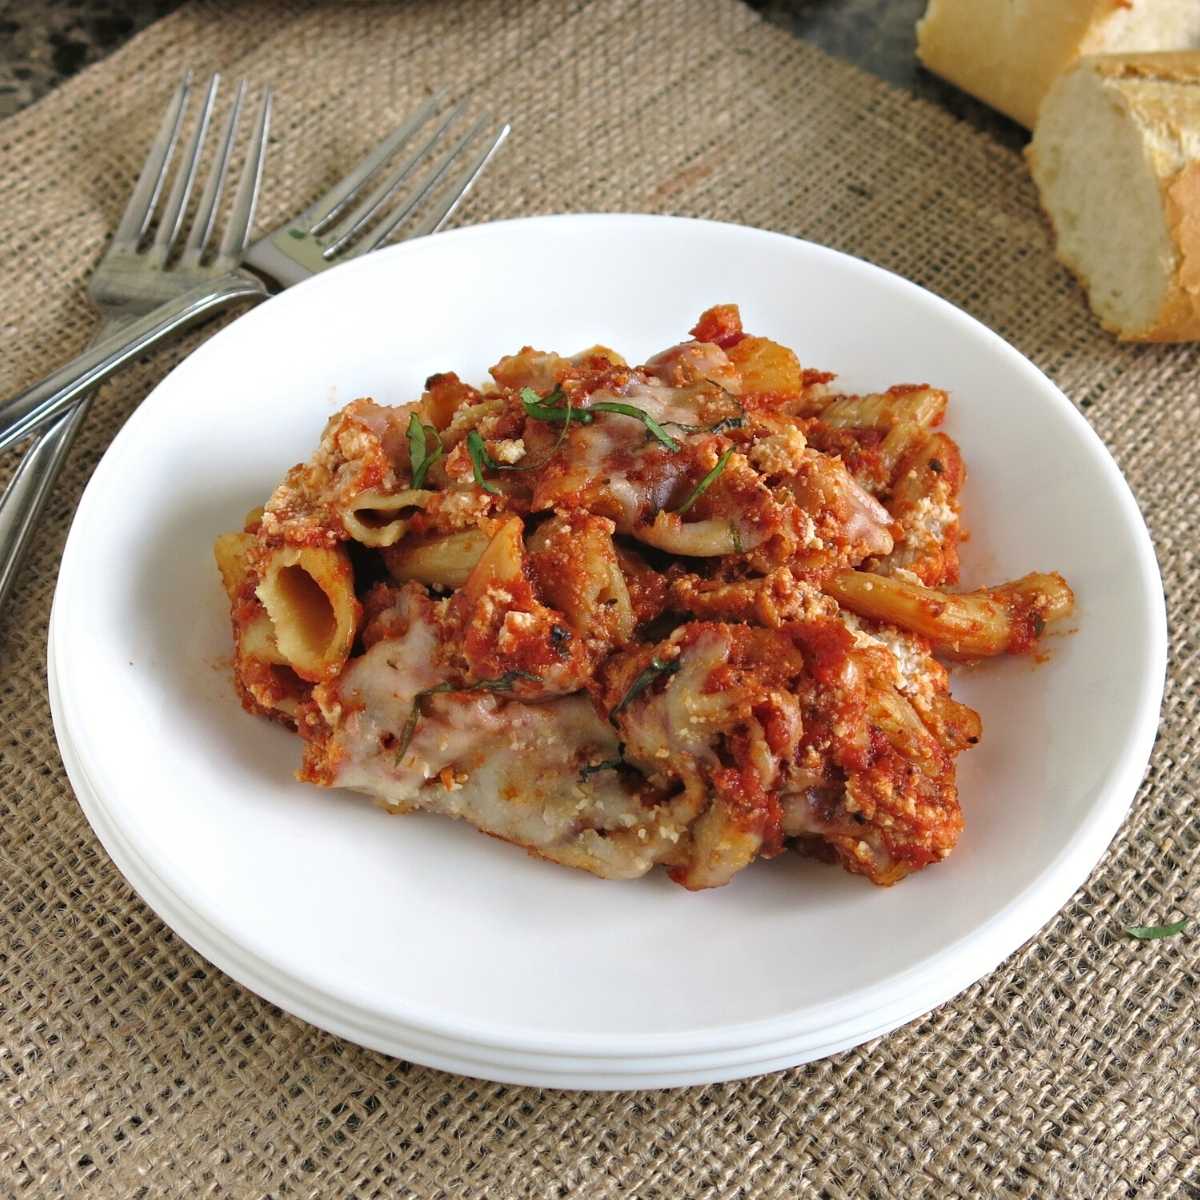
680	723
599	449
508	767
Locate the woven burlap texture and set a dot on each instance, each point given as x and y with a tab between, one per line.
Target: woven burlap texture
130	1067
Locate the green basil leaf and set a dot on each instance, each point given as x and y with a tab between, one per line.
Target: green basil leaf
480	459
416	445
439	452
722	426
414	715
729	423
705	483
544	410
418	449
609	764
631	410
550	410
567	415
1150	933
502	683
656	668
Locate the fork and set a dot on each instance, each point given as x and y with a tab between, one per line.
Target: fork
135	276
314	240
342	225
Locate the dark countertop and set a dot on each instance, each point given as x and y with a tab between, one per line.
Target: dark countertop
42	42
880	36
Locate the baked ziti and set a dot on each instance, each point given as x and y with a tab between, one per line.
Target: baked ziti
688	613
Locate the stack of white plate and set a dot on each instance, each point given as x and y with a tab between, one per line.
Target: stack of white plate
418	936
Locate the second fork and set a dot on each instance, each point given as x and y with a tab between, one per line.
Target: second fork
339	226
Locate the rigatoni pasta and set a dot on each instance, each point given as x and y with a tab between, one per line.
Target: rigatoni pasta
1001	620
379	519
689	613
308	594
443	560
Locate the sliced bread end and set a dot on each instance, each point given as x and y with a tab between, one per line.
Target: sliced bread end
1111	157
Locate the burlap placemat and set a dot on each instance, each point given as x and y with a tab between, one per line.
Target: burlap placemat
129	1067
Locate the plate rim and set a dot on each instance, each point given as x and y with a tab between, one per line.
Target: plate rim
559	1071
1020	919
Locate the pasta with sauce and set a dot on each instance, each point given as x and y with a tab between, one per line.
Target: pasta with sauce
689	614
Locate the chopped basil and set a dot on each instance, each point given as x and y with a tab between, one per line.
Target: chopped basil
1150	933
480	459
414	715
631	410
705	483
418	449
609	764
549	410
543	410
566	415
729	423
656	668
725	424
502	683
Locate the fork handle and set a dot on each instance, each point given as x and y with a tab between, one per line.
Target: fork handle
27	492
51	398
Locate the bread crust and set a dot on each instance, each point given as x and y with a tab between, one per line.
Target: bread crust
1179	318
1162	115
1008	53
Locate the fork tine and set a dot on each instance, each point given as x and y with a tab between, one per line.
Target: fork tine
332	203
210	198
462	186
242	217
181	190
379	236
352	223
140	208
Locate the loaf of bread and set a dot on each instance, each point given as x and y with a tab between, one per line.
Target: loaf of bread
1116	159
1008	52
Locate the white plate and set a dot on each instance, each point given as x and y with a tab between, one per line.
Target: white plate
417	935
555	1070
